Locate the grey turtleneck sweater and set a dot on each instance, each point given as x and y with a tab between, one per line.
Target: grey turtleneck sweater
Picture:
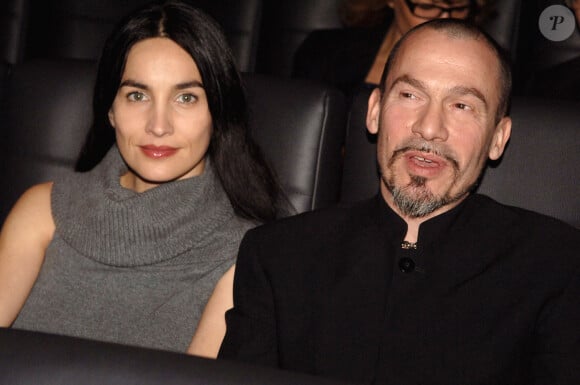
133	268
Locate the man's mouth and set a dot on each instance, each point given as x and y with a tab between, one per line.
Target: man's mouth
426	160
421	159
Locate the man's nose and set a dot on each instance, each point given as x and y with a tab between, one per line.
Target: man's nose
431	123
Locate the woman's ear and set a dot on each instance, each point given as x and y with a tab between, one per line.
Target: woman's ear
374	111
111	115
500	138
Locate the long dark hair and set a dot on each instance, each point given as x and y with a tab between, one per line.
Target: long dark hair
246	178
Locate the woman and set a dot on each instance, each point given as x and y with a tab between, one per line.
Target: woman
351	57
133	250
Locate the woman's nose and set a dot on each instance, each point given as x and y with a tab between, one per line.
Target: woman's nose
160	122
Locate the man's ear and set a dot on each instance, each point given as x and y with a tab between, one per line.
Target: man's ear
500	138
374	111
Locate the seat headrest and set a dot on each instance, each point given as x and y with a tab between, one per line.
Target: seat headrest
537	172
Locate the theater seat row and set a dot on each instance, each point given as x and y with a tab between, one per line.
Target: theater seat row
318	146
300	126
28	358
264	34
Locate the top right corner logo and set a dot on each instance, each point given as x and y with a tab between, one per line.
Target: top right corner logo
557	23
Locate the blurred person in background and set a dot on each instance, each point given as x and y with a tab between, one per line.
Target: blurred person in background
355	56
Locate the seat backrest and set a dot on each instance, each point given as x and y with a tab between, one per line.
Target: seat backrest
550	66
77	29
44	123
13	25
4	71
538	169
504	24
537	172
28	357
285	26
360	175
241	21
299	125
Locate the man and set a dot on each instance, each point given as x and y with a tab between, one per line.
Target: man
427	283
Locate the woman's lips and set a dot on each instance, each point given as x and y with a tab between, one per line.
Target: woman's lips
157	152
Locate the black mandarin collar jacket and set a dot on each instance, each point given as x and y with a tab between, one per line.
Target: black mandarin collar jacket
491	295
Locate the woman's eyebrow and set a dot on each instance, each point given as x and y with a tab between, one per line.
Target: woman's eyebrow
133	83
193	83
179	86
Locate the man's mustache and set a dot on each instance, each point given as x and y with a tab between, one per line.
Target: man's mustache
440	150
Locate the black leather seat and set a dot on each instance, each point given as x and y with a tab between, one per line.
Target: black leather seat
299	125
549	68
538	170
4	73
46	118
42	359
504	25
77	29
13	26
360	174
285	25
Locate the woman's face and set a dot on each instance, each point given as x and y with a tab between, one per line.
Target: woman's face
405	19
161	116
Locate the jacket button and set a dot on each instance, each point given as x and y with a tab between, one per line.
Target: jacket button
406	265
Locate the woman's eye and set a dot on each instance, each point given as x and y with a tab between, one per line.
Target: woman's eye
186	98
136	96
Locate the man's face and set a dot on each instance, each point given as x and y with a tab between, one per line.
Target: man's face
436	122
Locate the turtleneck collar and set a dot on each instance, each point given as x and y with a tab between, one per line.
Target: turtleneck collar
117	226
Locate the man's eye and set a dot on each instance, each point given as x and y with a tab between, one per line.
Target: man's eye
462	106
186	98
136	96
408	95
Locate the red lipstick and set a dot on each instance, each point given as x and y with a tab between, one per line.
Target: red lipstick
158	152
